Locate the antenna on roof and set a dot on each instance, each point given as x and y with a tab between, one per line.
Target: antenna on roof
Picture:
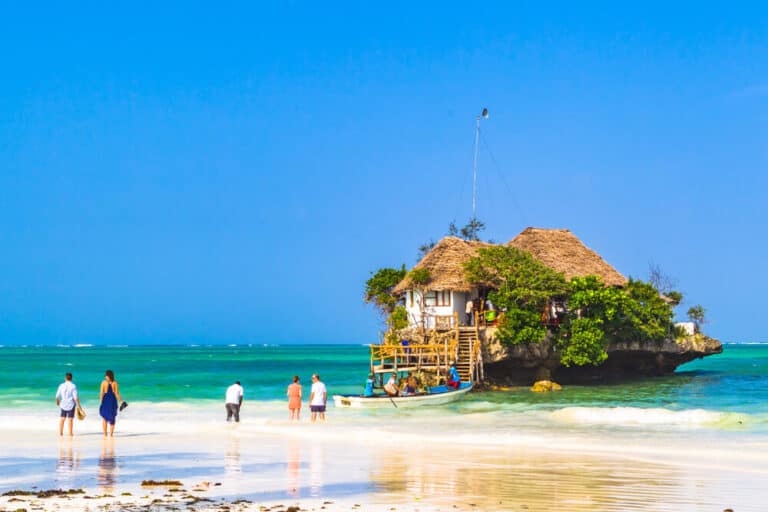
483	115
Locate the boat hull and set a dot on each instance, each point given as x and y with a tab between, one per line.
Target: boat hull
386	402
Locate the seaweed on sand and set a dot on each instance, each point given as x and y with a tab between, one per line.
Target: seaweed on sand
161	483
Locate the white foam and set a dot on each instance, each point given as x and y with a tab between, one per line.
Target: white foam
636	416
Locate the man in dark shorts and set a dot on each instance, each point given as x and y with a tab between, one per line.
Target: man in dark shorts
318	398
67	399
233	401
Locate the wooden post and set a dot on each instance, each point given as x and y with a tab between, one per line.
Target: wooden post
396	353
445	354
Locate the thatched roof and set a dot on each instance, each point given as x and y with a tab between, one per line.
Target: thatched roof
560	250
446	265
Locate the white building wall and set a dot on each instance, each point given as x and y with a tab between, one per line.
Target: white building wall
413	305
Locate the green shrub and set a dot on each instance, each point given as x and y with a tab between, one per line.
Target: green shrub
398	319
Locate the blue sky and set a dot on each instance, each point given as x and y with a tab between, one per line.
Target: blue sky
183	173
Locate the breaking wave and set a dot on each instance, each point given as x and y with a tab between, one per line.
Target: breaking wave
636	416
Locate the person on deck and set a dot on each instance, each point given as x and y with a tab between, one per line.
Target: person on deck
406	350
391	386
67	399
369	386
468	310
454	380
233	401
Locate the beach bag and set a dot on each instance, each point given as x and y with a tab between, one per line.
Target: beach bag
80	413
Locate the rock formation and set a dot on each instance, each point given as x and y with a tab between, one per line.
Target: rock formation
525	364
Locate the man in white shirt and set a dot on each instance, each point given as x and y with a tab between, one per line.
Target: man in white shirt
234	399
318	398
468	310
390	388
67	399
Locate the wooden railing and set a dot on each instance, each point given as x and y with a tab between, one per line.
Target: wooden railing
476	352
385	358
441	322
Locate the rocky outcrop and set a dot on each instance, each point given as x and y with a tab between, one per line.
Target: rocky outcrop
544	386
527	363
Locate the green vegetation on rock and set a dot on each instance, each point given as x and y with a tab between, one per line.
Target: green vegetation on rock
596	314
697	314
523	286
378	288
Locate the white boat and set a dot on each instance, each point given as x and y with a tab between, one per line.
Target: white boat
437	395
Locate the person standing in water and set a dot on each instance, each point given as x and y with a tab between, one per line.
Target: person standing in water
109	396
318	398
294	398
233	401
67	399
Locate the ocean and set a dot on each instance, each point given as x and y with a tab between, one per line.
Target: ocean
725	391
694	440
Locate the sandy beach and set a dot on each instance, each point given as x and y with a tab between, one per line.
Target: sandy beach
380	462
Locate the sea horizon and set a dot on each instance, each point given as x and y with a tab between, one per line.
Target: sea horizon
241	344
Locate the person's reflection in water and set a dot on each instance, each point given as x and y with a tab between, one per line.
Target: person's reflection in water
316	470
107	465
66	467
294	468
232	464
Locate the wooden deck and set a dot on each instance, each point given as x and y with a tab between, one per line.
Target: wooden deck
412	358
463	349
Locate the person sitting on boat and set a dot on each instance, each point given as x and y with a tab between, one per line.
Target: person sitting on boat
410	385
391	386
453	378
369	386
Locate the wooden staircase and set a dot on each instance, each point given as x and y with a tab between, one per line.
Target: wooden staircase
465	361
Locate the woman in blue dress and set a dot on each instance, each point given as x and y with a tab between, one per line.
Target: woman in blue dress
109	396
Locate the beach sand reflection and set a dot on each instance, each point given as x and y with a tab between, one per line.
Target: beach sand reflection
232	465
67	463
107	470
510	480
293	468
316	464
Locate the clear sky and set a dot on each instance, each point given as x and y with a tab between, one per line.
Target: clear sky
184	173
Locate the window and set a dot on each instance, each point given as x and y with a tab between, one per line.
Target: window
441	298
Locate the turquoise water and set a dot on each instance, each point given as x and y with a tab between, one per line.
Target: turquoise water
30	375
735	381
695	440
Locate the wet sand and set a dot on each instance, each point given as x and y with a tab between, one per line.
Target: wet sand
350	467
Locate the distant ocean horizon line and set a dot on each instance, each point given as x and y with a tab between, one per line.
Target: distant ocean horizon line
235	345
182	344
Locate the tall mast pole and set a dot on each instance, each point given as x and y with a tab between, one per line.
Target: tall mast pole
474	171
483	115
